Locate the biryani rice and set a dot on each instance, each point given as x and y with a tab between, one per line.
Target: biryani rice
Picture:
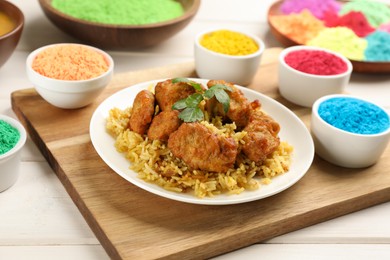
153	161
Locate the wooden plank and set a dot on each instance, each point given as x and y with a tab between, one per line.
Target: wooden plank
134	224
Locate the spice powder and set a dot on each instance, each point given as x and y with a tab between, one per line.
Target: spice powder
121	12
6	23
354	115
9	136
316	62
229	42
70	62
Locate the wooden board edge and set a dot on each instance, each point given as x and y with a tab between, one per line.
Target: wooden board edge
239	241
70	189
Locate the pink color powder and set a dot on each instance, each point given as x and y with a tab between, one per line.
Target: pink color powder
385	27
316	62
356	21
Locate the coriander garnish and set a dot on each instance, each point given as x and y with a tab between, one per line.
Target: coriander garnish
190	105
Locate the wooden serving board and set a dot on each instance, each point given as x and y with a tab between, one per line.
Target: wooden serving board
134	224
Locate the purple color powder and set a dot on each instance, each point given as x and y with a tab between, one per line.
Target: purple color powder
317	7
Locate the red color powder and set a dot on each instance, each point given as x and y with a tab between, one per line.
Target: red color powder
316	62
356	21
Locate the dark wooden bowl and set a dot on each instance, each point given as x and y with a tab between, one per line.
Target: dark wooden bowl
120	36
358	66
9	41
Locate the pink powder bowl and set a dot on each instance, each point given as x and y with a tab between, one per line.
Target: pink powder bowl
306	73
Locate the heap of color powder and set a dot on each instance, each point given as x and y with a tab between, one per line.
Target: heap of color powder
385	27
354	115
9	136
122	12
378	48
340	27
316	62
356	21
316	7
341	40
300	27
375	12
229	42
70	62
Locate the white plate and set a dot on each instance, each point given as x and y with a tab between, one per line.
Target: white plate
292	130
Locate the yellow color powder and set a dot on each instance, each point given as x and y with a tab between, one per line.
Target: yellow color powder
70	62
300	27
229	42
6	24
342	40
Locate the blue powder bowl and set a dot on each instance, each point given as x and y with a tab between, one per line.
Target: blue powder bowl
349	131
354	115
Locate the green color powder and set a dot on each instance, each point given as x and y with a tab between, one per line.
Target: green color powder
121	12
342	40
376	13
9	136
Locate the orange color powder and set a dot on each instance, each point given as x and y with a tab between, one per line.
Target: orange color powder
300	27
70	62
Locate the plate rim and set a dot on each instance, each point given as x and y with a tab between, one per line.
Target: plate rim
188	198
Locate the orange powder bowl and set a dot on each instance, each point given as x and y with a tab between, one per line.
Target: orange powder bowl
10	40
50	70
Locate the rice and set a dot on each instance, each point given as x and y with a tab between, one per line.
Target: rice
154	162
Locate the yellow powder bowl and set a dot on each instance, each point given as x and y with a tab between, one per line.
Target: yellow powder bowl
228	54
64	86
9	38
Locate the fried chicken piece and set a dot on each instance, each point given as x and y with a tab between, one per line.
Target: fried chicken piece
202	149
262	137
142	112
163	125
168	93
272	126
240	107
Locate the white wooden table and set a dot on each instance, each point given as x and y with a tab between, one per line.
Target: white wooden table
38	220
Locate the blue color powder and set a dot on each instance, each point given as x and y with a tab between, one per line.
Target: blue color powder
378	46
354	115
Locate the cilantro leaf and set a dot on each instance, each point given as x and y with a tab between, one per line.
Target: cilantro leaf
181	104
190	105
221	86
191	114
195	85
223	98
209	93
194	100
176	80
220	94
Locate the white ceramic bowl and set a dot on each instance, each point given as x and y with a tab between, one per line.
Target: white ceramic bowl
344	148
69	94
303	88
232	68
10	161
